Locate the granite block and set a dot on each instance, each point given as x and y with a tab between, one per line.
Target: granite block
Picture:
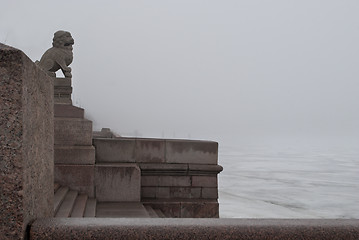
148	192
68	111
73	131
26	143
76	177
118	183
189	151
199	209
211	193
185	192
204	181
114	150
166	181
78	155
150	150
224	229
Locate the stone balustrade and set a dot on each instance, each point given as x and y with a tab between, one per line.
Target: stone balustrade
224	229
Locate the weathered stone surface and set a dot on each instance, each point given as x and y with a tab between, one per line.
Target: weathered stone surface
166	181
121	210
118	183
163	192
62	91
150	150
26	143
170	209
104	133
68	111
114	150
204	169
185	192
76	177
148	192
195	152
209	193
204	181
77	155
73	131
199	210
188	229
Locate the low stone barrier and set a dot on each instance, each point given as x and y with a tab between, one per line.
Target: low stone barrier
178	177
281	229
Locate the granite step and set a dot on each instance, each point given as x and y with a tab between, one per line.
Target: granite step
90	209
59	197
151	212
121	210
79	206
159	213
67	205
56	187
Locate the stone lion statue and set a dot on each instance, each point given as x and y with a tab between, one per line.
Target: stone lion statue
58	57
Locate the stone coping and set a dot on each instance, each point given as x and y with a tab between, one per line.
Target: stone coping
179	169
135	228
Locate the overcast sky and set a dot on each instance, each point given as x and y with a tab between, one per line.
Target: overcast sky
204	69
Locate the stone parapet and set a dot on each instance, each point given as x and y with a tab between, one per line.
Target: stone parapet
148	150
225	229
179	177
26	143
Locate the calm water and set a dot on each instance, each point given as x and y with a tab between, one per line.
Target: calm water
288	180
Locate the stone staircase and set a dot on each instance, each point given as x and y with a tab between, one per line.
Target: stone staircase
72	204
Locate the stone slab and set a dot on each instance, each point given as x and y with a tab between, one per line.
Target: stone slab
121	210
62	82
73	131
68	111
150	150
76	177
118	183
211	193
77	155
26	143
204	181
199	210
166	181
188	151
224	229
114	150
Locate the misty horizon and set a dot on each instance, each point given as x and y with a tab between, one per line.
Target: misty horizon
205	69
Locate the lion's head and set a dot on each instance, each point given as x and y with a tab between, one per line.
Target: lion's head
63	39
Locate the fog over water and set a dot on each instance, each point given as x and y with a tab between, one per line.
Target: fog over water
258	73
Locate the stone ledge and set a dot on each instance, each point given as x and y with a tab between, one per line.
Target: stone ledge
179	169
68	111
135	228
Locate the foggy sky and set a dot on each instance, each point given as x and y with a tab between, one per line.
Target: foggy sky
204	69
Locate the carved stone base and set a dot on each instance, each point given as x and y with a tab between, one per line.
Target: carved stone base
62	90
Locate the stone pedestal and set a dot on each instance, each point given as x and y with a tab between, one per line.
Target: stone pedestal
74	153
26	143
62	90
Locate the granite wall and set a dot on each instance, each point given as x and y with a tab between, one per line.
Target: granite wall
178	177
26	143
